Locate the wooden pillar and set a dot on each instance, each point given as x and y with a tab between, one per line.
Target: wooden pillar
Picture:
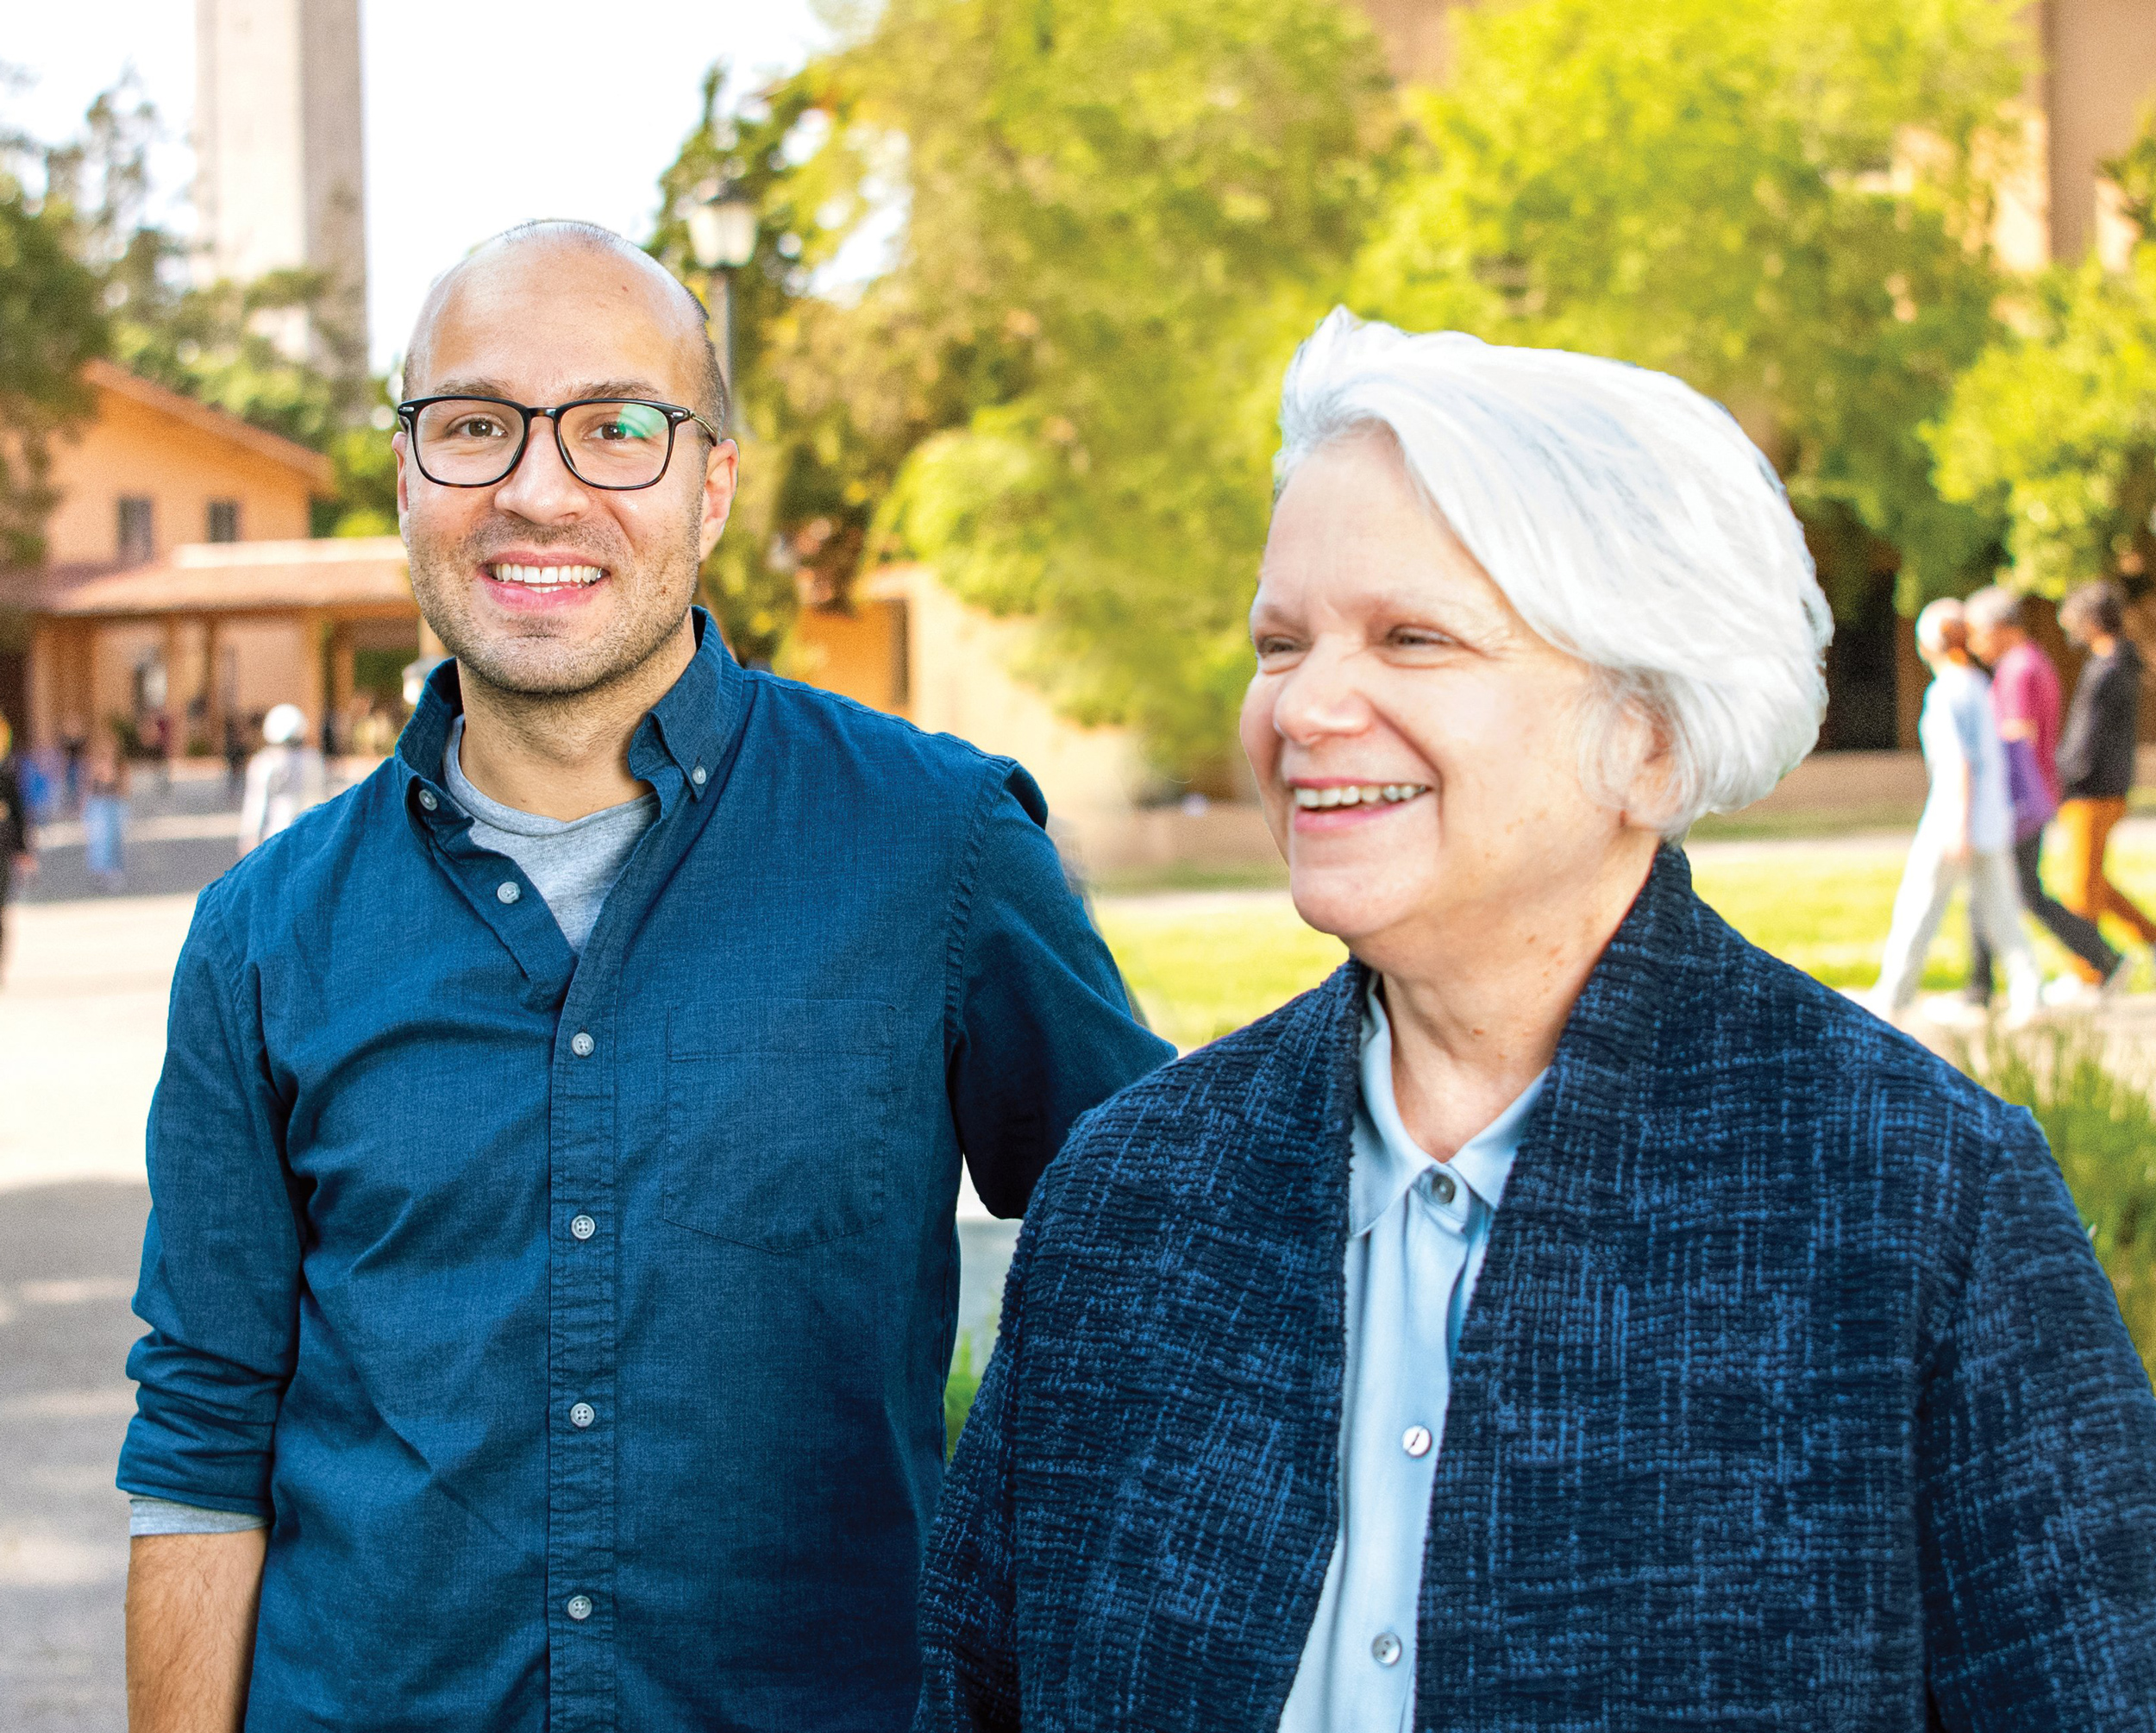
343	673
174	706
314	669
216	699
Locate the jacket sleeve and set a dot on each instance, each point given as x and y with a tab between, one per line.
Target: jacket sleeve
968	1609
1040	1027
220	1280
2035	1507
2075	757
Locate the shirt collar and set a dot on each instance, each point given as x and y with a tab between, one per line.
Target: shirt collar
1388	1161
680	745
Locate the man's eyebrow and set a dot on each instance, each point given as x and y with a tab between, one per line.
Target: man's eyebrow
582	389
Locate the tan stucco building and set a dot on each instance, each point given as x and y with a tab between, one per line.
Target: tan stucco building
179	580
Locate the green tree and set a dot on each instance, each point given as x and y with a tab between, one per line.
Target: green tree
51	322
2054	427
1784	202
218	342
1120	218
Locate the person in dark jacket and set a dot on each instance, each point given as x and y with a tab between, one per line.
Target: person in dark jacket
16	853
2096	759
1567	1316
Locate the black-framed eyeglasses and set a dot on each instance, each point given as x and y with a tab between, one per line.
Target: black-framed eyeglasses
618	443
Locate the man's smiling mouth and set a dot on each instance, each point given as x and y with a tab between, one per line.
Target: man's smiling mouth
547	577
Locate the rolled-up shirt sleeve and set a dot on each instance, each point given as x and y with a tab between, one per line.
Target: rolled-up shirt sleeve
1041	1023
220	1279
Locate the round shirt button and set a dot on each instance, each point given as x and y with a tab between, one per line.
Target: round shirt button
427	799
1385	1648
697	775
509	890
583	1226
580	1607
581	1044
1442	1184
1416	1440
582	1414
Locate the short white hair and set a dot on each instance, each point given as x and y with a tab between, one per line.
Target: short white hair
1628	520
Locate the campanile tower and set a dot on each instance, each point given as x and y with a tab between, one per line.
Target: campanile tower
280	175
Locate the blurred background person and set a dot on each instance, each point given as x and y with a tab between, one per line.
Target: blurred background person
2025	704
17	858
235	757
1966	833
283	780
2096	759
104	811
74	748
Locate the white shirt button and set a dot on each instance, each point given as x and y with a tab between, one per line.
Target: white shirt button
427	799
1443	1183
582	1414
1416	1440
580	1607
509	890
581	1044
1385	1649
582	1227
697	775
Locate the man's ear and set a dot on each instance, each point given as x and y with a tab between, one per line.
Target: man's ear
399	445
721	473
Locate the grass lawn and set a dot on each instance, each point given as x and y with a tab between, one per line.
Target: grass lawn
1202	963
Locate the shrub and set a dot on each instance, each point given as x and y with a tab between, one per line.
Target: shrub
2103	1129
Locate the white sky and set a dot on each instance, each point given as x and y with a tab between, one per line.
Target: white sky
590	100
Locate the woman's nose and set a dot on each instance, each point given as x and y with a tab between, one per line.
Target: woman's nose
1319	698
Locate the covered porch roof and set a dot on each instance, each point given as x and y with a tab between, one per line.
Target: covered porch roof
354	577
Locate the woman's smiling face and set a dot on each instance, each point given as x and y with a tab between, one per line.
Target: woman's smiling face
1416	743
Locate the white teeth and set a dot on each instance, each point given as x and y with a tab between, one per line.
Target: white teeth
1354	794
547	577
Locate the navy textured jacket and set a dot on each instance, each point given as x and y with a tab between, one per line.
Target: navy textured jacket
1791	1394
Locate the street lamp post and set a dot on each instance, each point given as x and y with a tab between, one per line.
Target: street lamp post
723	236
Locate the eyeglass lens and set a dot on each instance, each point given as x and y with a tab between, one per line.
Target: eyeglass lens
471	442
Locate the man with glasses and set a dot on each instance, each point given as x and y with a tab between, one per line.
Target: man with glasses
551	1275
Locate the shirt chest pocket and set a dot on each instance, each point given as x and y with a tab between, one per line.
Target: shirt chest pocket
778	1124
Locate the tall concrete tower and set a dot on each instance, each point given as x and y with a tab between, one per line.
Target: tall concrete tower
281	173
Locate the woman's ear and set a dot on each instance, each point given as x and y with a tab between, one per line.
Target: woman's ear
1650	797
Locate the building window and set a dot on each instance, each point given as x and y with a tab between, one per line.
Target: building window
224	520
138	539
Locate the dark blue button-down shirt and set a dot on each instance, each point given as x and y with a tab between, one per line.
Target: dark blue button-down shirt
581	1324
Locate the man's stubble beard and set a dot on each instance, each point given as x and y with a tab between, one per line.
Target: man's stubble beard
535	664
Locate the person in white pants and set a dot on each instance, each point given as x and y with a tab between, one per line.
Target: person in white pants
1967	834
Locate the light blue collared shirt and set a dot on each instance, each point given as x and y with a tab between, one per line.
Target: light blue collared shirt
1416	1231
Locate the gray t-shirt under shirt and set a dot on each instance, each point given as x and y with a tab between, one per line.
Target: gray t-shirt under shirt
573	864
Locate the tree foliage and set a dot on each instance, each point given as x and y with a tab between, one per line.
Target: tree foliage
2054	426
1120	217
51	322
1784	202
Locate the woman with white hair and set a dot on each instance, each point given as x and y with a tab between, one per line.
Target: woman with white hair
1567	1316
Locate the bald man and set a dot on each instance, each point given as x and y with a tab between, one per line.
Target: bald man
551	1276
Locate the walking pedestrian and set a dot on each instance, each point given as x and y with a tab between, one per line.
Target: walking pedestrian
1966	833
235	757
2095	759
17	854
74	746
2025	704
104	811
283	780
